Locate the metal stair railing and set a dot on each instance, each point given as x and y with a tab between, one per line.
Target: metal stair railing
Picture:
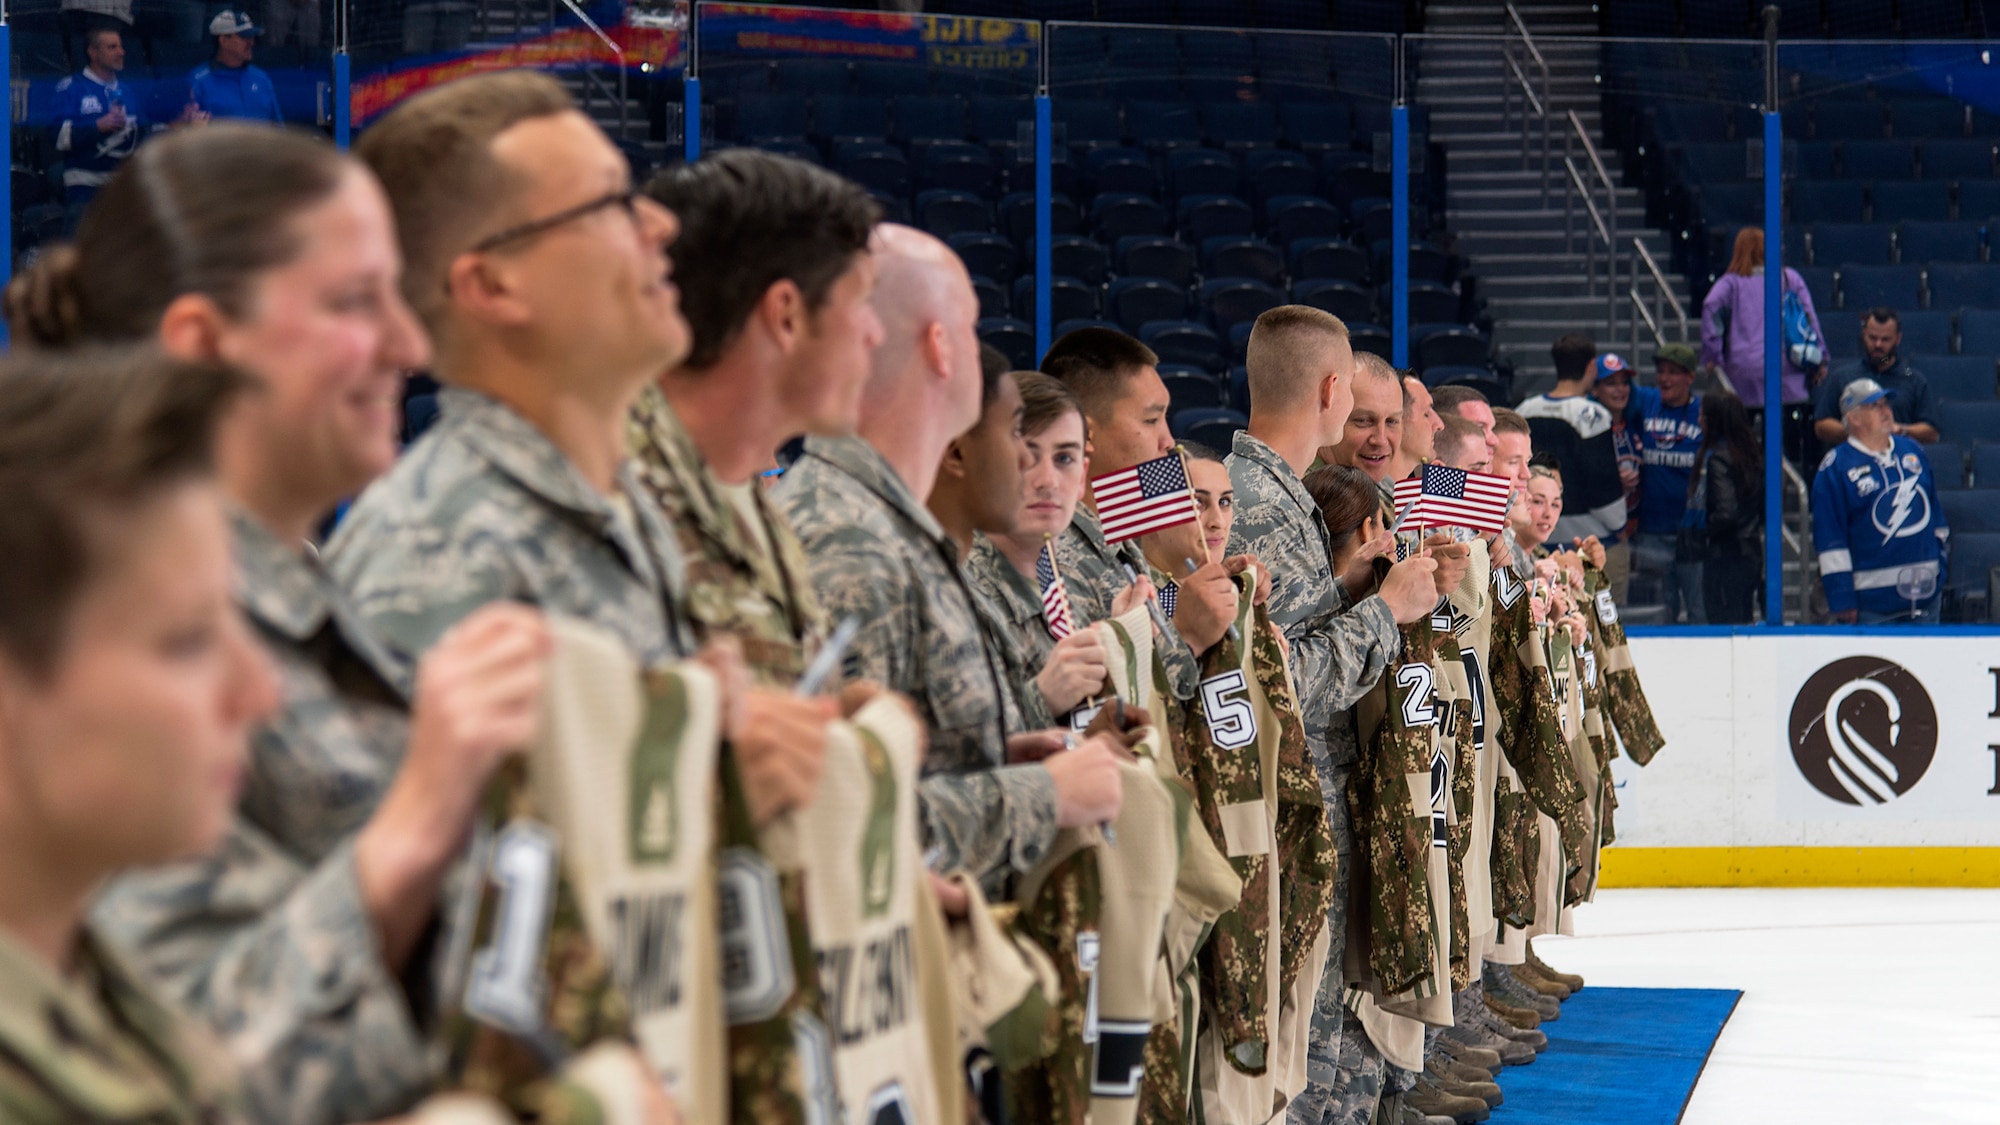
1664	300
1517	51
1800	541
1606	221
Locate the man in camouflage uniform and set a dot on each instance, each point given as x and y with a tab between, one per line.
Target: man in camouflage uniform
1302	371
879	556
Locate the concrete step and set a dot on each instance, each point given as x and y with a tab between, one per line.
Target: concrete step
1528	195
1548	239
1568	281
1548	223
1538	262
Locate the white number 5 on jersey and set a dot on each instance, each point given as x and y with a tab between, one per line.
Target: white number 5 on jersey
1225	700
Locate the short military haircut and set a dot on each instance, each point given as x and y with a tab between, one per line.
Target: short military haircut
434	156
1094	364
1375	367
1449	399
1883	314
750	219
1288	354
1044	401
1572	353
993	367
1196	451
1506	421
1459	437
86	437
1410	392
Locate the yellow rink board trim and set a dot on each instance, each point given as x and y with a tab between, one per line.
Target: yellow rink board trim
1800	867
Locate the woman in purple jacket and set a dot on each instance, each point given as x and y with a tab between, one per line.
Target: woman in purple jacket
1732	334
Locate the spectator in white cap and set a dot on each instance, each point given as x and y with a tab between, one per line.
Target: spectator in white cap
1877	524
228	85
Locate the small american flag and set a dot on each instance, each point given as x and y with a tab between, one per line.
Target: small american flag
1055	596
1448	497
1148	497
1168	593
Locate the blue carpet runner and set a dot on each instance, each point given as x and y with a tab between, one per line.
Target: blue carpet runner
1618	1056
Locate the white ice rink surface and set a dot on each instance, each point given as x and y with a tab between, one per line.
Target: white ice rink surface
1876	1005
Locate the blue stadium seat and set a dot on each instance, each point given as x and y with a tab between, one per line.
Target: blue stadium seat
1239	341
1156	255
1430	302
1972	421
1239	388
876	166
1845	244
777	117
1162	124
1978	329
1371	338
992	298
1116	215
1947	463
1184	341
1017	217
1681	122
1273	174
1328	258
1927	117
1978	200
1370	221
987	255
925	118
1190	387
840	117
1069	298
1136	301
1231	256
893	80
1985	466
1201	171
1877	160
1848	121
813	76
1967	377
1958	160
1938	241
1928	331
1923	200
1427	262
1715	18
1344	299
1454	347
1972	286
1713	162
1729	204
1215	427
1819	283
894	206
1864	287
1229	301
1065	327
1087	121
1000	119
1014	338
1970	511
1203	217
1316	126
1079	257
797	150
1122	171
1289	218
1828	201
1445	374
1809	160
1240	124
1347	184
956	166
1973	557
944	213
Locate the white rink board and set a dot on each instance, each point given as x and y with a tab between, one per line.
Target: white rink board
1728	778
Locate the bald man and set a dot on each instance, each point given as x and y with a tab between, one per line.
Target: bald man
879	556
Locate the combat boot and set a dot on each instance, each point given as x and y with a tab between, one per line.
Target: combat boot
1410	1116
1568	980
1444	1079
1474	1038
1463	1050
1500	981
1486	1019
1463	1072
1509	1014
1534	978
1428	1098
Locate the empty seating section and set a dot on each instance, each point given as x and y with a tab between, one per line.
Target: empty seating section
1200	178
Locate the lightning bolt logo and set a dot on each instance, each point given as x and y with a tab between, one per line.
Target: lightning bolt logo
1902	502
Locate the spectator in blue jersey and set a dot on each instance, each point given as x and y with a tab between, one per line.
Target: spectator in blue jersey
1877	523
1667	419
228	85
1913	411
97	125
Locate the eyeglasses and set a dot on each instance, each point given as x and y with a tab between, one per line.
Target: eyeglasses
627	199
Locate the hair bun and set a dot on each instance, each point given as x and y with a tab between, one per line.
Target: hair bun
43	303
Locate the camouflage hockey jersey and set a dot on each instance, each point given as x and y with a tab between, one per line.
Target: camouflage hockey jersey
1624	700
1532	739
591	915
1004	992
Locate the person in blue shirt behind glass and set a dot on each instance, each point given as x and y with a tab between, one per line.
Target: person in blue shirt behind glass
227	85
96	125
1667	418
1877	523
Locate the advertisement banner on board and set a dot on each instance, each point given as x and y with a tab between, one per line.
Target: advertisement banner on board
1873	728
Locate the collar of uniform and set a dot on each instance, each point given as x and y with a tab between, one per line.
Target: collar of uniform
62	1028
280	584
657	430
997	571
859	460
509	443
1264	457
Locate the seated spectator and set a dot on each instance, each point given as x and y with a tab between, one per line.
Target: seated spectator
1575	430
228	86
1724	510
1877	524
96	125
1667	422
1913	411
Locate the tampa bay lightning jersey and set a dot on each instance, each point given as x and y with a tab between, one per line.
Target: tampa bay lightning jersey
1877	521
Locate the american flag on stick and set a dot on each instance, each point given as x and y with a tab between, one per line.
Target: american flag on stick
1448	497
1055	596
1150	496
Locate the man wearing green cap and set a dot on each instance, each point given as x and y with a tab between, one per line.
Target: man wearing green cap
1668	423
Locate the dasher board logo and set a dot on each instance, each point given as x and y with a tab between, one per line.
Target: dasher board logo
1863	730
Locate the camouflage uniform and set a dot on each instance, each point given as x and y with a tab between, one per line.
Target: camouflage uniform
1338	652
1013	607
757	589
1624	700
485	508
1094	572
267	940
879	556
91	1045
1531	738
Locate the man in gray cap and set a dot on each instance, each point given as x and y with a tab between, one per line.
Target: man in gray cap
1877	523
1666	421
